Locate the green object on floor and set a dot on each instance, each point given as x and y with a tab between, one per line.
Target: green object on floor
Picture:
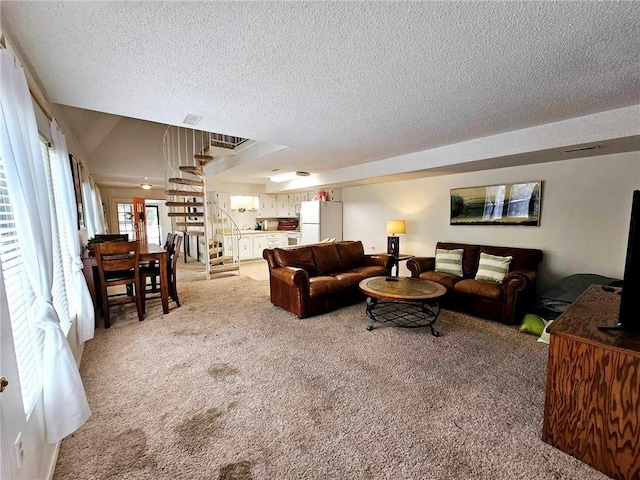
532	324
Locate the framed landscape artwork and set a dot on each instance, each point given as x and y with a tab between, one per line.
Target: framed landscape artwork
508	204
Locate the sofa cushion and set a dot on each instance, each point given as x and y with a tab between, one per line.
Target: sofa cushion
351	254
479	288
523	258
301	257
492	267
349	279
371	271
327	258
449	261
324	285
445	279
469	257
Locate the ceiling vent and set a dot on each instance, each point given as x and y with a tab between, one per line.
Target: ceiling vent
582	149
191	119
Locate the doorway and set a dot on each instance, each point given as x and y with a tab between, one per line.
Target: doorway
126	220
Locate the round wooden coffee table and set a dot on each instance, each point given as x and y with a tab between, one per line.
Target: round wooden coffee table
403	301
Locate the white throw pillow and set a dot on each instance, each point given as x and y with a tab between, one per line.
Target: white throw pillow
492	267
545	337
449	261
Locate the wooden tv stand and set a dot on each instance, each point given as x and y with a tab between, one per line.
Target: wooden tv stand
593	387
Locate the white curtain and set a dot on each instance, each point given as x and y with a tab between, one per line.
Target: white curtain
89	204
94	214
81	303
65	403
99	210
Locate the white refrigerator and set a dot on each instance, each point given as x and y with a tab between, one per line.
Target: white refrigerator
320	220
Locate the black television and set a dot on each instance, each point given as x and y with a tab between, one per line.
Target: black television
629	316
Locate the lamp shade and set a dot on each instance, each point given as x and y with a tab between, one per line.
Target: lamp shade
396	227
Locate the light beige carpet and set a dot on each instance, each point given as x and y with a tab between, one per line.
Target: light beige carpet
230	387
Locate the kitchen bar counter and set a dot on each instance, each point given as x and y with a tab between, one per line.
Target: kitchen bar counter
258	232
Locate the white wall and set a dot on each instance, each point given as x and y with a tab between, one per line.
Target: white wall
133	148
112	195
585	211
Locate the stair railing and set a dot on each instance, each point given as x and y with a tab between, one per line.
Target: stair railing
224	232
180	145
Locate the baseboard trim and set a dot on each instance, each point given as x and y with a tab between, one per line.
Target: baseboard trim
54	460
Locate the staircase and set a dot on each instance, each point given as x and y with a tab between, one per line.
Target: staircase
216	235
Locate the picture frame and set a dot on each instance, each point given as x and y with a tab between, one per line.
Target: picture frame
77	189
506	204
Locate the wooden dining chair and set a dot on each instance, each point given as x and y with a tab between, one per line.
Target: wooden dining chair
119	264
173	252
152	264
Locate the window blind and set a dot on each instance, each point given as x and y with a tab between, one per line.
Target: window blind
58	288
27	341
59	185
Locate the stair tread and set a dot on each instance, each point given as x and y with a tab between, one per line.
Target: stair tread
184	204
186	181
204	159
192	170
190	224
197	233
185	193
213	250
186	214
218	260
223	268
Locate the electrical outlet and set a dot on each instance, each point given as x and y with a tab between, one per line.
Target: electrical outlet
373	247
19	450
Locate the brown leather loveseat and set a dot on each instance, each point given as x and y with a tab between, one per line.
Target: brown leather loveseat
506	301
313	279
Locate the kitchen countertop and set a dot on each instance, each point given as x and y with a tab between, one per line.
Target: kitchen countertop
257	232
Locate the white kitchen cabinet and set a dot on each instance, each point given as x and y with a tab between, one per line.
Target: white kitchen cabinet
268	206
275	240
224	201
245	247
283	206
297	198
228	245
334	194
259	244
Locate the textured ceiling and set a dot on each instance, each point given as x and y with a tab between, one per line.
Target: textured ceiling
339	83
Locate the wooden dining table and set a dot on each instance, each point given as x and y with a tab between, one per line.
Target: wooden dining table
148	252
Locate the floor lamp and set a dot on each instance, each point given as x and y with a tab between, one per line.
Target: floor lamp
395	227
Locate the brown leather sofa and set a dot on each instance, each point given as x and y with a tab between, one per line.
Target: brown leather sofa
313	279
507	301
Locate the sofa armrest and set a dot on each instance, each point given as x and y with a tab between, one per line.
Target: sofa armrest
382	259
519	279
292	276
417	265
518	290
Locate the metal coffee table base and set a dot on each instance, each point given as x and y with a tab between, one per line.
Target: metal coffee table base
404	314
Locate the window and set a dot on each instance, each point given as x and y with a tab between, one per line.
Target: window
125	219
27	341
